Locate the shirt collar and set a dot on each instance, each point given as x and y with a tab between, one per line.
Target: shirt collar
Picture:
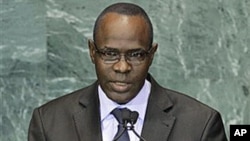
138	103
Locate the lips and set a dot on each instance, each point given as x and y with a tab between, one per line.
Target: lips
120	86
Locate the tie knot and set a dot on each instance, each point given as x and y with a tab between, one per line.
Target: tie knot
121	114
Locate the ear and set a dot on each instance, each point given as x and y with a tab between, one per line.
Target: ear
154	49
92	50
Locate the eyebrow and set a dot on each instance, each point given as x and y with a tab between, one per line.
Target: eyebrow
115	49
109	48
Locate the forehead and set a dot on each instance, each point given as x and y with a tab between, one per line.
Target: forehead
123	29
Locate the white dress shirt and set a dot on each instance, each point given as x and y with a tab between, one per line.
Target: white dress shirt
108	121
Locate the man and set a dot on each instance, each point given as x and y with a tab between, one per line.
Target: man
122	51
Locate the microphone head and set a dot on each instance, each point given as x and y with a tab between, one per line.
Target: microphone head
134	116
126	115
129	116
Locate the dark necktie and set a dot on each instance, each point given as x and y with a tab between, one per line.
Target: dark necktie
122	133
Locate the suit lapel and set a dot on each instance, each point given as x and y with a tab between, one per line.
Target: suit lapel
157	125
158	121
87	119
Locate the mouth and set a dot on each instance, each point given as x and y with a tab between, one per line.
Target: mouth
120	86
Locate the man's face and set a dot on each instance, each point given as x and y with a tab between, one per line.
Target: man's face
121	81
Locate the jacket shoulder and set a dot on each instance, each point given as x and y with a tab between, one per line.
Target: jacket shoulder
69	102
186	102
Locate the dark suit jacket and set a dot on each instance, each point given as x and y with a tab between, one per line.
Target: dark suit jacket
170	116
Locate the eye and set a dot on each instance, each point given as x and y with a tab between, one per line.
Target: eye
136	54
111	53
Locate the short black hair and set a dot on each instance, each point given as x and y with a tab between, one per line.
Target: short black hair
125	9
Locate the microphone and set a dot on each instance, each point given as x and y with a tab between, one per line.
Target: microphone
131	117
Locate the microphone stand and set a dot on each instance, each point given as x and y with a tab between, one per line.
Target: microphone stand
129	117
132	128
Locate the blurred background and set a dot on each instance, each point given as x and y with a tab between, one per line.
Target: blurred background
204	51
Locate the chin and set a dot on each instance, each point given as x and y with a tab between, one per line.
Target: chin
123	100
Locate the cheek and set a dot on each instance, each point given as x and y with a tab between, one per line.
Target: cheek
102	71
139	73
142	69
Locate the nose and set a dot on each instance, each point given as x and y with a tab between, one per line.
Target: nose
122	66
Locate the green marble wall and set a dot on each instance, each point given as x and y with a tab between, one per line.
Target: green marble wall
203	51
